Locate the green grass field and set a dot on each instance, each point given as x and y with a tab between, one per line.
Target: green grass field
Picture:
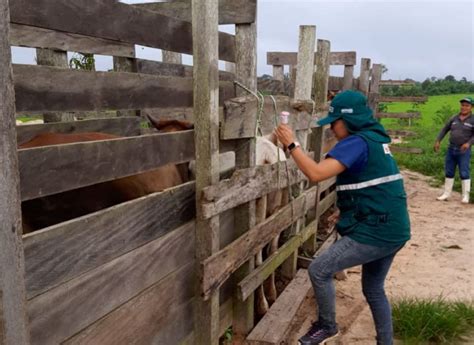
427	128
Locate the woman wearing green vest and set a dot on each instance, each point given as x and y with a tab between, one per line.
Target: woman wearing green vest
373	223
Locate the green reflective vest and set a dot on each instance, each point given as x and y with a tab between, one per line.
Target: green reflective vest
373	202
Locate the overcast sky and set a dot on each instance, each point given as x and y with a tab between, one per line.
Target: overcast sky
414	39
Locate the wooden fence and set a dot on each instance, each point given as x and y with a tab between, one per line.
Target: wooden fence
174	267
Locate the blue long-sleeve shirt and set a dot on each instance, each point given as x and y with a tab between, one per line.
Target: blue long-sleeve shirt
462	132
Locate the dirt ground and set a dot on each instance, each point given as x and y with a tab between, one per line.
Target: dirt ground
438	260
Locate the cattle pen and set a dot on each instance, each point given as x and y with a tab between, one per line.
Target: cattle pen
176	266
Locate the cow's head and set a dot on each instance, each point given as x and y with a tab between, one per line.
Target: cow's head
167	125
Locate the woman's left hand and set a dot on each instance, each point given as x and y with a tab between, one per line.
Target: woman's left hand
285	134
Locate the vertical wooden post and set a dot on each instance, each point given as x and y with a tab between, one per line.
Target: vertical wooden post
321	81
278	72
206	115
364	76
246	73
348	77
374	88
292	77
13	318
124	64
172	57
303	89
230	67
55	58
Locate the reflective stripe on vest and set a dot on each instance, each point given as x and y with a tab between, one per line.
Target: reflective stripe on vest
369	183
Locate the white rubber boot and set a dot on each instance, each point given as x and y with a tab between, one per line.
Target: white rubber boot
448	189
466	189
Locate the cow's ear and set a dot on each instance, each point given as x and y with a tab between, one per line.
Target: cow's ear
154	121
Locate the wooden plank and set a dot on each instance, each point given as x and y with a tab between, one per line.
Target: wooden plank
165	69
230	11
29	36
225	313
123	126
143	319
278	72
275	324
261	273
54	89
335	83
286	58
14	328
322	72
375	78
364	76
401	133
245	214
343	58
348	77
142	25
172	57
417	99
55	316
124	64
415	115
249	184
240	116
206	114
222	264
54	58
305	62
59	253
391	82
399	149
174	328
374	87
303	91
87	163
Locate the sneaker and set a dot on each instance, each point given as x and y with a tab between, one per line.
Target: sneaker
318	335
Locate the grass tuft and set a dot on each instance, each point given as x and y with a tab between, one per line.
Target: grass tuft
418	321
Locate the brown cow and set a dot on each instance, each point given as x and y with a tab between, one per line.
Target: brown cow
53	209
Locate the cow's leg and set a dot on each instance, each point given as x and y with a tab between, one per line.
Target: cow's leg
261	301
270	286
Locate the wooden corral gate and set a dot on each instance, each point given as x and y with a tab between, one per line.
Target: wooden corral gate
172	267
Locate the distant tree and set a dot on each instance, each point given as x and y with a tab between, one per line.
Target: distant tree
449	78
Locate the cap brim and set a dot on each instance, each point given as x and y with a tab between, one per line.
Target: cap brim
467	100
327	120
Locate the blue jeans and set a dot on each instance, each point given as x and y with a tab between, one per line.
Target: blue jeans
375	263
454	157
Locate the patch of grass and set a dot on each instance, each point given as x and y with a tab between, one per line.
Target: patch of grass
427	128
417	321
27	118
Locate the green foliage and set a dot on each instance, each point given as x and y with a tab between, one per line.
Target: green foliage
443	114
228	334
431	87
82	61
417	321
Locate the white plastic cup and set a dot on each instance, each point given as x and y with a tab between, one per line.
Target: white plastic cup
284	117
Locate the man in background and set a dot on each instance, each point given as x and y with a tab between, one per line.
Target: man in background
459	150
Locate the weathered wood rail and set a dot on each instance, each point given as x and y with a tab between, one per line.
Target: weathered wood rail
172	267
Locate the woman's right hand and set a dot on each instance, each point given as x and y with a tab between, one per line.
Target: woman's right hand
436	146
